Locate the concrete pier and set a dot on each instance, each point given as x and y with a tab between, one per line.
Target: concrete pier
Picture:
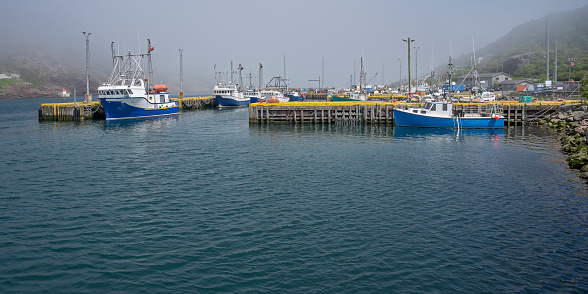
381	112
70	111
93	110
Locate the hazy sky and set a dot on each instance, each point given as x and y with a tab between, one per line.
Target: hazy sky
253	32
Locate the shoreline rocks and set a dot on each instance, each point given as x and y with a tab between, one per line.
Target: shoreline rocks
571	121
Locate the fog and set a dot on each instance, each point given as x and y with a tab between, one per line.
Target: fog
302	32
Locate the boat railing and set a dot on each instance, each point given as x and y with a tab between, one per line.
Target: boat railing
478	110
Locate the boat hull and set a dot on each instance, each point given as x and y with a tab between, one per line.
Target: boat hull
340	99
407	119
294	98
120	109
222	101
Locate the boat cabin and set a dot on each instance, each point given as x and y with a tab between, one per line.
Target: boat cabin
434	109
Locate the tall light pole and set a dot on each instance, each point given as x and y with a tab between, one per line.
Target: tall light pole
87	65
408	41
319	82
555	65
416	69
400	62
547	52
181	75
323	85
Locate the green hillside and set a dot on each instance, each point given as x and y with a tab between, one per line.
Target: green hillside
570	28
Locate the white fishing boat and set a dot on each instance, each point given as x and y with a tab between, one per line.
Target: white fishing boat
128	93
227	94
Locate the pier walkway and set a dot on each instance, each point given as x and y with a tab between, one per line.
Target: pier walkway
79	111
380	112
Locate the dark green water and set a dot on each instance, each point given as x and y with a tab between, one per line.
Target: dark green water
204	202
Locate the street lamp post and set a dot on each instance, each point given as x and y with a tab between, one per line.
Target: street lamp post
319	82
416	69
400	84
408	41
181	75
88	96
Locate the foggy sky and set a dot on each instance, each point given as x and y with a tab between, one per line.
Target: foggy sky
263	31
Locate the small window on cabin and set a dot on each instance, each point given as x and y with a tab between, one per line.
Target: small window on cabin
130	92
415	111
433	107
444	107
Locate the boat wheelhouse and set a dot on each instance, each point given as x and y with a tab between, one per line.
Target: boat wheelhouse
128	93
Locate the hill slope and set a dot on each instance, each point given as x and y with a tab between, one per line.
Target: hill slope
570	28
42	72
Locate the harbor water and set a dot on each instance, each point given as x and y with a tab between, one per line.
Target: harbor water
205	202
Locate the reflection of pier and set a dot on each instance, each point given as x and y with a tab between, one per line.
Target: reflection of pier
93	110
372	112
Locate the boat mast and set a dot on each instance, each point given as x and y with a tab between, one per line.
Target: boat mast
361	76
449	73
149	67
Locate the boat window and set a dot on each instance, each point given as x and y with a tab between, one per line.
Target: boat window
415	111
423	111
433	107
444	106
130	91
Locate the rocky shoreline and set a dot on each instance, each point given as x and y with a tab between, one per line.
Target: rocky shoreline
571	121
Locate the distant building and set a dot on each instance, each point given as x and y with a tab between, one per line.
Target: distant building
9	76
486	79
516	85
512	63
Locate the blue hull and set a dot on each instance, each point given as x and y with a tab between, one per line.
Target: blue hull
121	110
227	102
415	120
294	98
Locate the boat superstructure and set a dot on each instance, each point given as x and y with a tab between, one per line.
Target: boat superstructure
228	94
129	94
440	115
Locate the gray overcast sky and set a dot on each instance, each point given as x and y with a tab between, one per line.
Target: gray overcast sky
250	32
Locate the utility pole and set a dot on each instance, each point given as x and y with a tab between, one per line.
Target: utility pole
400	62
547	53
416	70
571	62
383	72
181	75
260	76
555	66
88	96
408	41
323	75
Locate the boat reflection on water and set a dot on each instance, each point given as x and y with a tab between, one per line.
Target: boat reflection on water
414	132
139	123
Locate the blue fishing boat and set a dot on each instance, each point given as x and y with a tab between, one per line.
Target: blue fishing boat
227	94
128	93
294	96
440	115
